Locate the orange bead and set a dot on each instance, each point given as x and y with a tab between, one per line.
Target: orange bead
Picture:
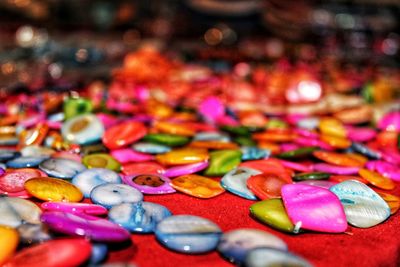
332	126
33	136
8	242
173	128
275	136
183	156
336	142
377	180
274	148
392	200
198	186
358	157
337	159
213	145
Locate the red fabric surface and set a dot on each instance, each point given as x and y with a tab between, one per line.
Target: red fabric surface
376	246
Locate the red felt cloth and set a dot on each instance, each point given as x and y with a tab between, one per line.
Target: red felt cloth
376	246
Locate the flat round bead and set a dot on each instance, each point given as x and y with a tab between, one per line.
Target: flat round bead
185	169
235	244
93	228
82	129
26	162
151	148
52	189
89	179
16	211
12	182
61	168
141	217
91	209
101	160
266	186
167	139
60	253
183	156
149	183
33	233
109	195
188	234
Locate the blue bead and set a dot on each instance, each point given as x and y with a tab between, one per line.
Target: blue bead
26	162
150	148
110	194
89	179
8	154
188	234
99	253
141	217
253	153
61	168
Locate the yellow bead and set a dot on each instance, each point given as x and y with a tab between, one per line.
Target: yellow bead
183	156
331	126
198	186
52	189
335	141
8	242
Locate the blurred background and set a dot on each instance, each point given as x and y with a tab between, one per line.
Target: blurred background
65	43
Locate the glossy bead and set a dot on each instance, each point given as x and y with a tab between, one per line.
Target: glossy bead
89	179
74	253
109	195
273	213
52	189
12	182
90	209
82	129
149	183
311	176
34	136
93	228
188	234
377	180
331	126
337	159
314	208
173	128
26	162
74	106
101	161
215	145
335	141
140	217
123	134
16	211
266	186
61	168
185	169
270	166
263	256
150	148
8	243
223	161
333	169
167	139
183	156
8	154
148	167
254	153
235	182
197	186
235	244
297	153
30	233
363	207
392	201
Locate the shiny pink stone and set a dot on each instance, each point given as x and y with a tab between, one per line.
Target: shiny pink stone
314	208
127	155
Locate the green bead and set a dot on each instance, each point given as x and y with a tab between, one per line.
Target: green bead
244	141
398	141
101	160
76	106
298	153
167	139
276	124
367	92
236	130
311	176
223	161
272	212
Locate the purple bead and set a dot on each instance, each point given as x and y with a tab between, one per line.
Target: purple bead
94	228
185	169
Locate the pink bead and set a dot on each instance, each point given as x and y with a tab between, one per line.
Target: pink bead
212	108
390	122
185	169
358	134
296	166
78	208
129	155
314	208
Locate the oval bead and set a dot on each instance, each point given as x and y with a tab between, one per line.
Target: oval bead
337	159
266	186
261	257
188	234
151	148
33	233
377	180
183	156
235	244
185	169
52	189
89	179
167	139
149	183
223	161
109	195
235	182
87	208
16	211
